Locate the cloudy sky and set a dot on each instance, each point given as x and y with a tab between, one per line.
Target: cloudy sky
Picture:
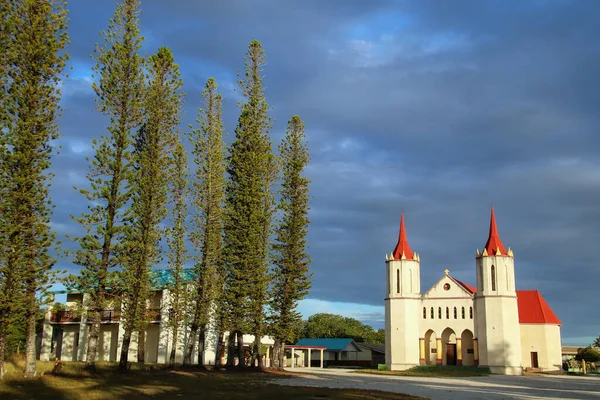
438	108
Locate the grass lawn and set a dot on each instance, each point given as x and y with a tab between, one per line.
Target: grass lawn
73	383
432	370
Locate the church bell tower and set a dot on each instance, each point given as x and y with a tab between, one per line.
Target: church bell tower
402	303
497	314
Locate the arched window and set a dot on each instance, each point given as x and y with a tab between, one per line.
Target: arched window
424	312
447	313
462	311
455	313
397	281
432	314
471	312
439	312
493	278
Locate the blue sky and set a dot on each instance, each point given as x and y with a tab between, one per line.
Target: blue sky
437	108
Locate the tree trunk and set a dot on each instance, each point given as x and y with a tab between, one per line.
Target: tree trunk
257	353
141	355
189	346
230	348
201	345
174	346
219	352
240	350
2	349
277	355
30	371
92	350
125	350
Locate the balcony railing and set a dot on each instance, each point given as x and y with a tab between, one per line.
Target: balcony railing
154	314
110	315
65	316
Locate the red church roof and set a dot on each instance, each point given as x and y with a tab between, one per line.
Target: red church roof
402	245
469	288
494	243
533	309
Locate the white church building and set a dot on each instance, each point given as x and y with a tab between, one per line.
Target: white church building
493	325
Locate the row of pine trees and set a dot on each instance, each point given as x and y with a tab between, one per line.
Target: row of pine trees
248	251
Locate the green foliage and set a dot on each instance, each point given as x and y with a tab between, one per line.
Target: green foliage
208	196
176	234
596	342
249	203
32	72
290	276
588	354
335	326
120	93
152	160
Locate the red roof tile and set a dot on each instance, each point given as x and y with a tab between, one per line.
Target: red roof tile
402	245
494	243
533	309
468	287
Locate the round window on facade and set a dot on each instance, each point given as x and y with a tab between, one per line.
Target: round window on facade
447	286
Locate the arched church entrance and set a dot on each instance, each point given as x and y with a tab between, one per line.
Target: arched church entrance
430	344
449	355
467	347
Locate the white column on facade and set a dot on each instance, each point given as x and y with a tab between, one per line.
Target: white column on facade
47	333
163	329
321	358
83	331
309	363
120	334
293	357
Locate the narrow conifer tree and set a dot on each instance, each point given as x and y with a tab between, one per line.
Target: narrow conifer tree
153	146
249	209
7	268
290	277
120	91
177	253
33	38
208	196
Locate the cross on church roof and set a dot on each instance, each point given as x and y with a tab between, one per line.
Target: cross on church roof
446	271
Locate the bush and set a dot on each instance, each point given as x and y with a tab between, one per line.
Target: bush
588	354
381	367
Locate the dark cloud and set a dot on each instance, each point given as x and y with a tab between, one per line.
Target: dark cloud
437	108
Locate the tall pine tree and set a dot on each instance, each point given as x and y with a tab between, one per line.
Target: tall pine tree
208	196
177	253
120	91
34	37
153	145
249	210
8	268
290	276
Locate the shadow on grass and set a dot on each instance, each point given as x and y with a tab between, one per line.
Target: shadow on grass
159	383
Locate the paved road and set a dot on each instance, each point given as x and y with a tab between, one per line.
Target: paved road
485	387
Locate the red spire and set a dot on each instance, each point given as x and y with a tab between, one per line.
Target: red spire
402	245
494	243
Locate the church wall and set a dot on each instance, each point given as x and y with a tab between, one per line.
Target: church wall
499	334
402	333
545	340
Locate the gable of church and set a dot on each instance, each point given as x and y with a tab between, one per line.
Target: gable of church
447	287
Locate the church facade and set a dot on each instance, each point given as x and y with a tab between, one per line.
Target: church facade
453	323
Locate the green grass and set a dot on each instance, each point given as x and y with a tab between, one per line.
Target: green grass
432	370
73	383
